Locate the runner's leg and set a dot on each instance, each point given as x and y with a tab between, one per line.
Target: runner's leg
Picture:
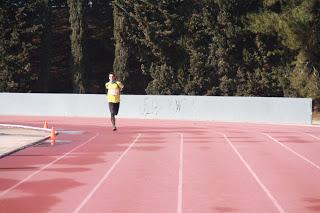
112	111
115	112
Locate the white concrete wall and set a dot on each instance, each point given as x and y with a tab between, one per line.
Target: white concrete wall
237	109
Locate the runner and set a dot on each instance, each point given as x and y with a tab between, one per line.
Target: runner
114	87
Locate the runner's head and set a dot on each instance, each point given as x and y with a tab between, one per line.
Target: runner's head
112	77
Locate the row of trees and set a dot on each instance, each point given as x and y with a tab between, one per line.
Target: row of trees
208	47
55	45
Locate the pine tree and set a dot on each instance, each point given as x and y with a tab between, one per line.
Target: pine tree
77	37
214	46
295	24
120	65
99	44
151	35
45	49
128	48
200	72
21	28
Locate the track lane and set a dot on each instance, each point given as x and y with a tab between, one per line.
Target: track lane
146	180
213	179
58	178
283	173
217	181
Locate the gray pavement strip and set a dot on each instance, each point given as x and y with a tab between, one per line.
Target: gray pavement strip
71	132
14	138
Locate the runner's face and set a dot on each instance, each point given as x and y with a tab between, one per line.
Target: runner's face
111	77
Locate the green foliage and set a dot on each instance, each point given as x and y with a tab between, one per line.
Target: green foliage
199	38
76	12
129	50
21	28
263	71
296	25
306	82
170	47
194	43
99	22
164	81
145	33
292	24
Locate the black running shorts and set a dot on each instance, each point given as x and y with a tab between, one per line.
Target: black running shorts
114	108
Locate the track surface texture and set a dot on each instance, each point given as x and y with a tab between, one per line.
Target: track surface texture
163	166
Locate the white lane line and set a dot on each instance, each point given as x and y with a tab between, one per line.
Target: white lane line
291	150
25	127
180	184
311	135
255	176
106	175
46	166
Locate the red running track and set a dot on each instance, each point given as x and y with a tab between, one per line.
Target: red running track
163	167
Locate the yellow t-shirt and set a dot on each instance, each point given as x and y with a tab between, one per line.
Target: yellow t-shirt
114	91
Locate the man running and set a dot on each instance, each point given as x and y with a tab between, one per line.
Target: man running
114	87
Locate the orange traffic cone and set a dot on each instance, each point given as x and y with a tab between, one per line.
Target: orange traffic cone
53	136
45	125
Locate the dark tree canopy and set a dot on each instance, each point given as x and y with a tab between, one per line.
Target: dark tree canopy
170	47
